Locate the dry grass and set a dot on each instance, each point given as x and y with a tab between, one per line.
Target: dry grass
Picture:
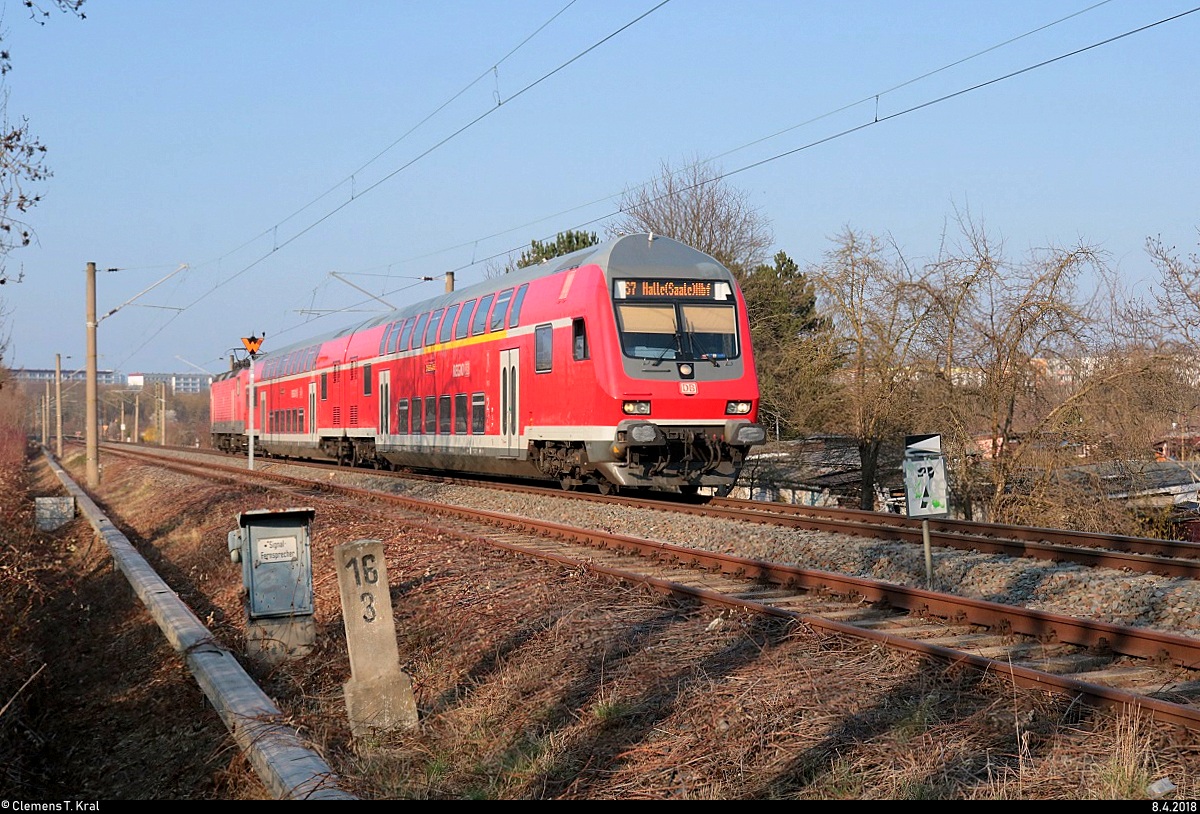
536	682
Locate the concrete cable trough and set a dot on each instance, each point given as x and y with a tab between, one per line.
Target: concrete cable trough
288	768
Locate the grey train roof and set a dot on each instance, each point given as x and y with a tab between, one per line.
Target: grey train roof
625	255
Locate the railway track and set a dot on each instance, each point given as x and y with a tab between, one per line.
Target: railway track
1137	554
1087	660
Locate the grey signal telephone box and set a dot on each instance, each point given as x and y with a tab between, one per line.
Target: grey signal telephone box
275	550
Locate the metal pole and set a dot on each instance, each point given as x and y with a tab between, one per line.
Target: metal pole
250	412
162	412
137	410
928	553
58	405
46	417
93	445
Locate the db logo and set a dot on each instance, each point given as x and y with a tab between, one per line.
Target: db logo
688	388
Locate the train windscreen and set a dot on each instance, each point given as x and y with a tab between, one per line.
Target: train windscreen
684	331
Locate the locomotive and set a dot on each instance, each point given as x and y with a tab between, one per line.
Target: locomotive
624	365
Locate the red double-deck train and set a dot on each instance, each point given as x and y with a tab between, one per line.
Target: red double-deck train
623	365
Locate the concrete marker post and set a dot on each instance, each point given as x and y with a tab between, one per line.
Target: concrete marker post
379	694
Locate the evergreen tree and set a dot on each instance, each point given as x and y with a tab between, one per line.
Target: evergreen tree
564	243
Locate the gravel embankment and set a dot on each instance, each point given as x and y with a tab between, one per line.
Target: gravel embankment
1170	604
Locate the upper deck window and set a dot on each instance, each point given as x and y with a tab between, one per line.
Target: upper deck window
514	318
463	326
431	331
405	333
500	310
388	333
479	324
447	332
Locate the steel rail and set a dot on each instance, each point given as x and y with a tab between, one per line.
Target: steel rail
1183	651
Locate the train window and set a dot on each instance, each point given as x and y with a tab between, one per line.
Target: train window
416	416
402	415
463	326
478	414
419	331
405	334
444	415
514	318
579	345
367	379
324	386
479	324
312	358
447	331
543	346
460	414
500	311
432	330
711	331
648	331
300	419
431	414
384	337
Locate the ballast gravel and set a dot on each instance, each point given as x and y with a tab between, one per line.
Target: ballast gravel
1168	604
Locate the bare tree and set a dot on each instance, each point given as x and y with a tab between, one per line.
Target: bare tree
1027	385
695	206
876	302
21	156
21	166
1173	307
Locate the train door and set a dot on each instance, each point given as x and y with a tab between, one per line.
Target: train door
312	412
262	412
510	433
385	402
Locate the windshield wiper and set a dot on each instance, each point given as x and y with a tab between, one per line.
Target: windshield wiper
678	349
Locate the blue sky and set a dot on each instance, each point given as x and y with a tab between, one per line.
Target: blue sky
267	145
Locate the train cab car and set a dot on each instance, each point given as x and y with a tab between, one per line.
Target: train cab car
624	365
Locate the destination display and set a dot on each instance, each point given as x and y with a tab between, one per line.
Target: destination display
666	289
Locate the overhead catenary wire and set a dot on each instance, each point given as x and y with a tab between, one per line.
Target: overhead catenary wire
875	119
276	245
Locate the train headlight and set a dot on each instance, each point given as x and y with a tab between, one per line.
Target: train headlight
636	408
685	370
737	407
